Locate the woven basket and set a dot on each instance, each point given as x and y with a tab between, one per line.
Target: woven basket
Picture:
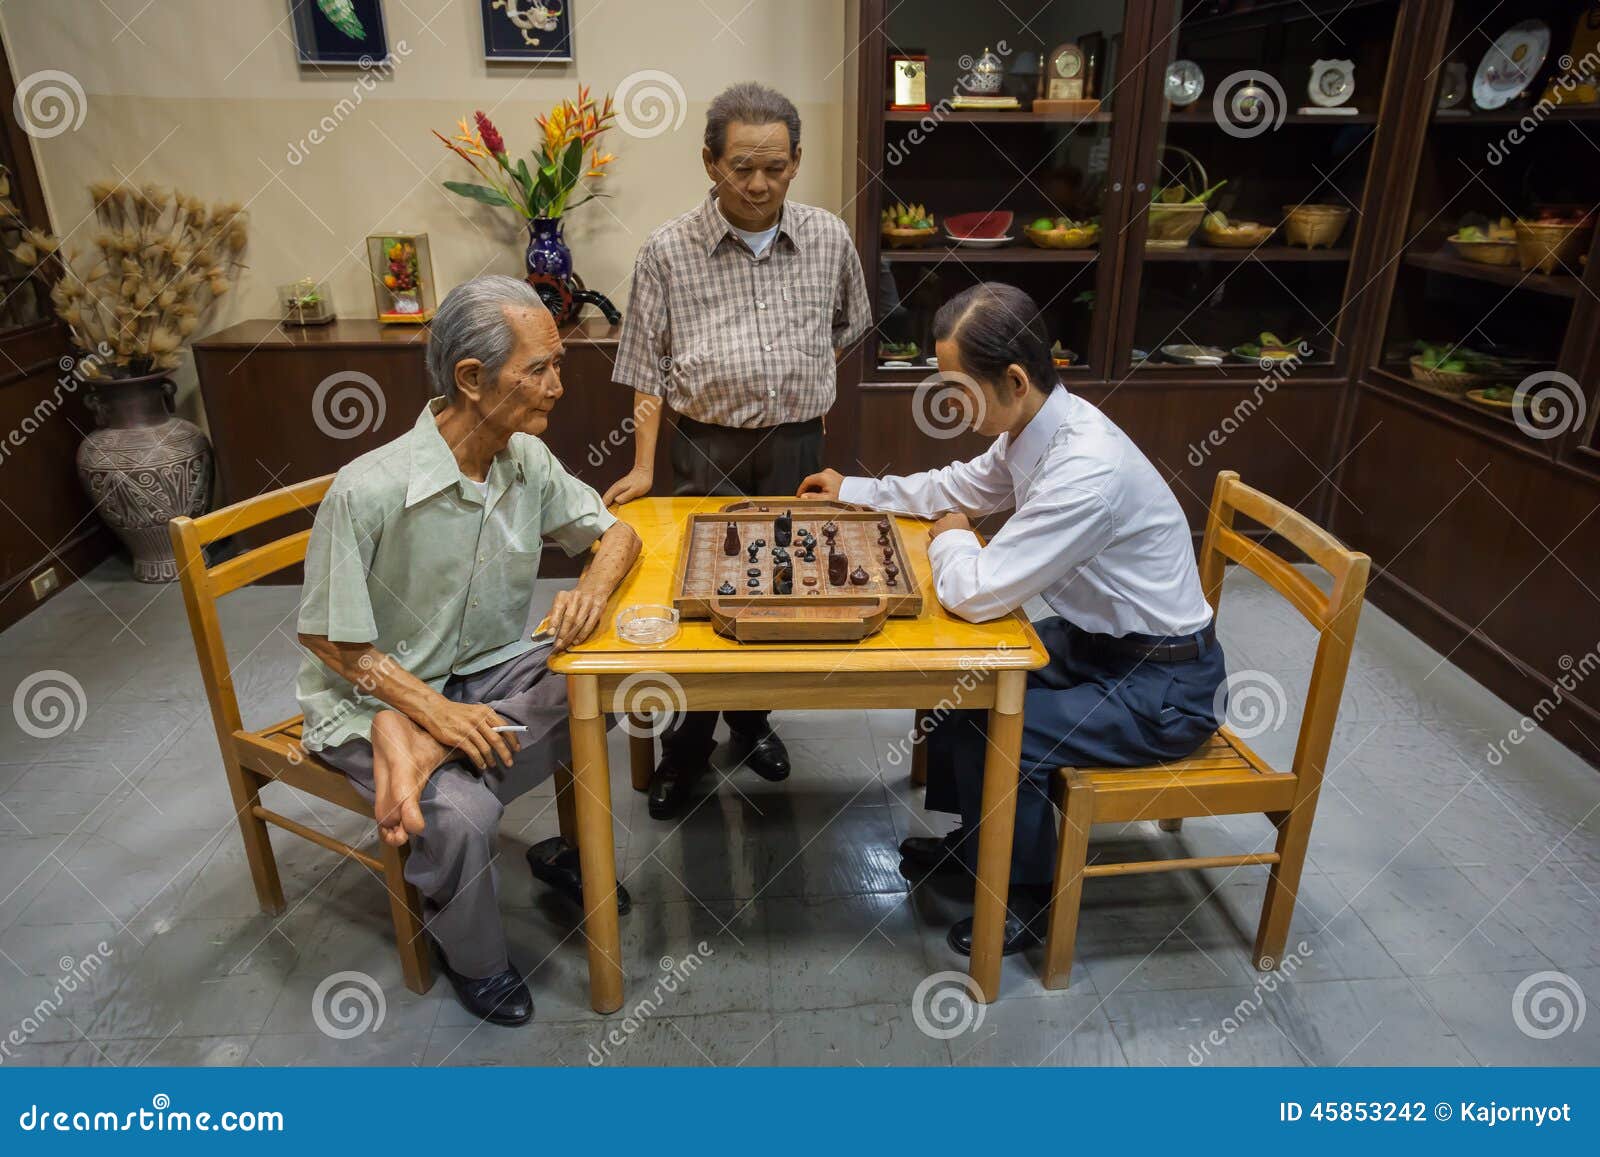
1314	225
1485	252
898	238
1171	226
1548	248
1237	237
1454	382
1062	238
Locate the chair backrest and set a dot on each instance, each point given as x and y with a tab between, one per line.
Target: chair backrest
203	585
1334	612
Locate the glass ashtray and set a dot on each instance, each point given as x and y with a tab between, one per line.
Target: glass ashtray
647	625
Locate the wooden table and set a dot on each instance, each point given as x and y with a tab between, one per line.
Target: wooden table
935	660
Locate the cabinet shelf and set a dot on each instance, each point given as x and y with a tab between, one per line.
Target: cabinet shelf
1203	114
1504	116
991	117
934	255
1260	253
1555	284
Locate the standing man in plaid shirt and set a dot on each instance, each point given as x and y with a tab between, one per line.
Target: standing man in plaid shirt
739	310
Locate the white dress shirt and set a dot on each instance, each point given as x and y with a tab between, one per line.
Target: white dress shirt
1097	531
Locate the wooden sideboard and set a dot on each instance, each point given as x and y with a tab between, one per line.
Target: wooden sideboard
286	404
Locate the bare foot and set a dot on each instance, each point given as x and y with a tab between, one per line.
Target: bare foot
403	757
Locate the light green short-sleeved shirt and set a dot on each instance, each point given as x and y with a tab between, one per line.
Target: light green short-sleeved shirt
403	556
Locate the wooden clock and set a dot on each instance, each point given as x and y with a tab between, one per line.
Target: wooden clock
1064	87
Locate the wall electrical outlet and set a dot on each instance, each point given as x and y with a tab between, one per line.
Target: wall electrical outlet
44	583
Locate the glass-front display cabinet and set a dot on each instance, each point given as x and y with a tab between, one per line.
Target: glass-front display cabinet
992	147
1491	316
1250	187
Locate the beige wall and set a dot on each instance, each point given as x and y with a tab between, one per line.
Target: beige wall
207	95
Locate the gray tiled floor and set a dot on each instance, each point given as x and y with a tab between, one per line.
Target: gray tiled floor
1437	886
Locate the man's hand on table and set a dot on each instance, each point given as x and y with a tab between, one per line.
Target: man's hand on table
469	728
822	485
574	616
955	520
635	483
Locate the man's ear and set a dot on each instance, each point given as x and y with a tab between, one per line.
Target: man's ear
1017	382
709	161
468	378
794	162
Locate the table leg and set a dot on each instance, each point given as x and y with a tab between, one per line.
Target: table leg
995	831
642	751
591	792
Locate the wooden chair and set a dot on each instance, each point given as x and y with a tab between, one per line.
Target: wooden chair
1225	777
253	759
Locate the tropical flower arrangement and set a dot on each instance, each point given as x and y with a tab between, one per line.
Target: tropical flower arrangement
571	130
163	260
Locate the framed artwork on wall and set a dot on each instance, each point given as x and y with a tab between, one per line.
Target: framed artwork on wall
537	30
339	31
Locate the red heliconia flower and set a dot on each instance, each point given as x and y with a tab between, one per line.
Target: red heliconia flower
492	140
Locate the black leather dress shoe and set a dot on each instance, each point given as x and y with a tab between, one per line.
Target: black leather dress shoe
925	855
1025	925
555	862
763	754
499	999
669	786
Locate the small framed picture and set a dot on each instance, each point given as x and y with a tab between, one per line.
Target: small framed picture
537	30
339	31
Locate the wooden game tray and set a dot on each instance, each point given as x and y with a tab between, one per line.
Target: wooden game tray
834	614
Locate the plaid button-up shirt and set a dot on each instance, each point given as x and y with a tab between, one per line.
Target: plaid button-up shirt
732	339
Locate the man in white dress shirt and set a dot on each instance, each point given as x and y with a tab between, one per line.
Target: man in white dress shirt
1135	670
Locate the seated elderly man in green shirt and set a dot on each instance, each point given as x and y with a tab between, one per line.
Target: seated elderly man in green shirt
418	587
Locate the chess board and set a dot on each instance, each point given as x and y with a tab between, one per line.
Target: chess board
739	592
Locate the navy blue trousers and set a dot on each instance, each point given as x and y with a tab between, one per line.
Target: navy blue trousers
1090	707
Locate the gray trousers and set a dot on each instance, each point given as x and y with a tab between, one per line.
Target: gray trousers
452	861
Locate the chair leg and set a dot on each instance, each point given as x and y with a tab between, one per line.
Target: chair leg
405	910
919	753
1283	884
245	786
566	817
1171	825
1066	892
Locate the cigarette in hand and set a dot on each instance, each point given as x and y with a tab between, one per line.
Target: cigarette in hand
510	727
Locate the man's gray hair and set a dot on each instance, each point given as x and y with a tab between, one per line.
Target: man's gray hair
471	323
750	104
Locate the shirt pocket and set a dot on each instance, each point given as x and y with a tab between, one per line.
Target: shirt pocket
808	315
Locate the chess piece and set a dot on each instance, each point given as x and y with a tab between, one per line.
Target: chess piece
725	589
751	550
730	541
810	580
752	583
753	572
883	540
888	554
830	531
783	580
809	554
883	526
782	528
858	577
838	567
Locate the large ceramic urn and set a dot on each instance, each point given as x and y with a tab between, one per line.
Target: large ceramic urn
143	467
